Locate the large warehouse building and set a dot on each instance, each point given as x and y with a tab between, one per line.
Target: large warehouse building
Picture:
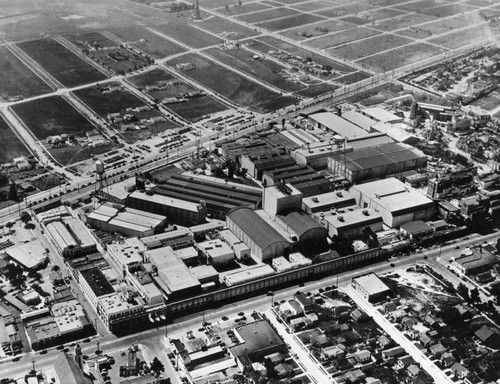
377	162
127	221
264	241
394	200
331	122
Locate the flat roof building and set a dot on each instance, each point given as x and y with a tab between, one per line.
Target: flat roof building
256	165
377	162
371	288
332	122
327	201
70	237
216	251
247	274
380	114
127	221
394	200
94	284
475	260
359	119
118	192
372	139
29	255
352	223
178	238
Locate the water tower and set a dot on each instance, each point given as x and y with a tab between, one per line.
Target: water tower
197	14
101	181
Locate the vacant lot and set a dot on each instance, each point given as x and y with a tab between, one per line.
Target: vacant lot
448	10
342	37
169	86
419	6
104	103
75	153
148	42
400	57
11	145
296	51
317	89
269	14
52	115
313	5
460	38
120	60
370	46
187	34
227	83
317	29
265	70
381	14
84	40
488	102
290	22
16	79
61	63
233	9
352	78
404	21
344	10
226	29
436	27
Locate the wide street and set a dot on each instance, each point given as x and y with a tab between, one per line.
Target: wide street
111	344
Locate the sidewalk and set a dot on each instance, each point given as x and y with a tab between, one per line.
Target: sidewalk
437	374
309	366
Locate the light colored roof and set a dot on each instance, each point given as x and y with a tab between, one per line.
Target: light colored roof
356	218
248	274
395	132
80	232
30	255
167	201
372	284
301	223
215	367
215	248
335	199
201	272
61	235
125	252
369	140
381	114
337	124
360	120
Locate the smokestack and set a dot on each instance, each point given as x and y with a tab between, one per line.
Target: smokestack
197	14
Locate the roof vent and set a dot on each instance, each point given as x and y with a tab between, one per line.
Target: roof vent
339	194
365	212
341	218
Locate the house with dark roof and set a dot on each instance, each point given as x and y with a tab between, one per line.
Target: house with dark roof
460	371
490	337
447	359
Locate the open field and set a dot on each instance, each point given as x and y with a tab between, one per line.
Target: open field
52	115
401	22
111	102
148	42
342	37
269	14
370	46
460	38
409	54
272	3
62	64
120	60
233	9
317	89
420	5
226	29
489	101
448	10
289	1
352	78
162	85
227	83
289	22
344	10
75	153
84	40
11	145
436	27
265	70
478	3
16	79
212	4
274	43
187	34
317	29
313	5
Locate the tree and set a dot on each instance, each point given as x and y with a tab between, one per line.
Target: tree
271	372
463	291
498	246
474	295
13	192
157	366
55	268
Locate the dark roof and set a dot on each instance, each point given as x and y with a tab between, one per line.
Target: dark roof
255	227
257	336
68	370
301	223
97	281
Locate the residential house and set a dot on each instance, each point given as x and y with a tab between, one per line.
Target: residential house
297	323
425	340
447	359
393	352
464	311
437	350
305	302
460	371
490	337
363	356
430	320
358	315
283	370
355	376
397	315
413	370
403	362
384	341
408	322
320	340
333	352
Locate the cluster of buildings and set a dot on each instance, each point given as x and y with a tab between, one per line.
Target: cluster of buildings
132	119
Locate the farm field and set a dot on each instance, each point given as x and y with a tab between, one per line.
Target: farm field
62	64
274	13
317	29
387	61
148	42
264	70
342	37
226	29
274	43
187	34
370	46
448	10
289	22
401	22
162	85
313	5
233	9
212	4
84	40
344	10
11	145
436	27
229	84
420	5
16	79
52	115
109	102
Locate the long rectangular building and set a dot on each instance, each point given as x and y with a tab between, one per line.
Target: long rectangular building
70	237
